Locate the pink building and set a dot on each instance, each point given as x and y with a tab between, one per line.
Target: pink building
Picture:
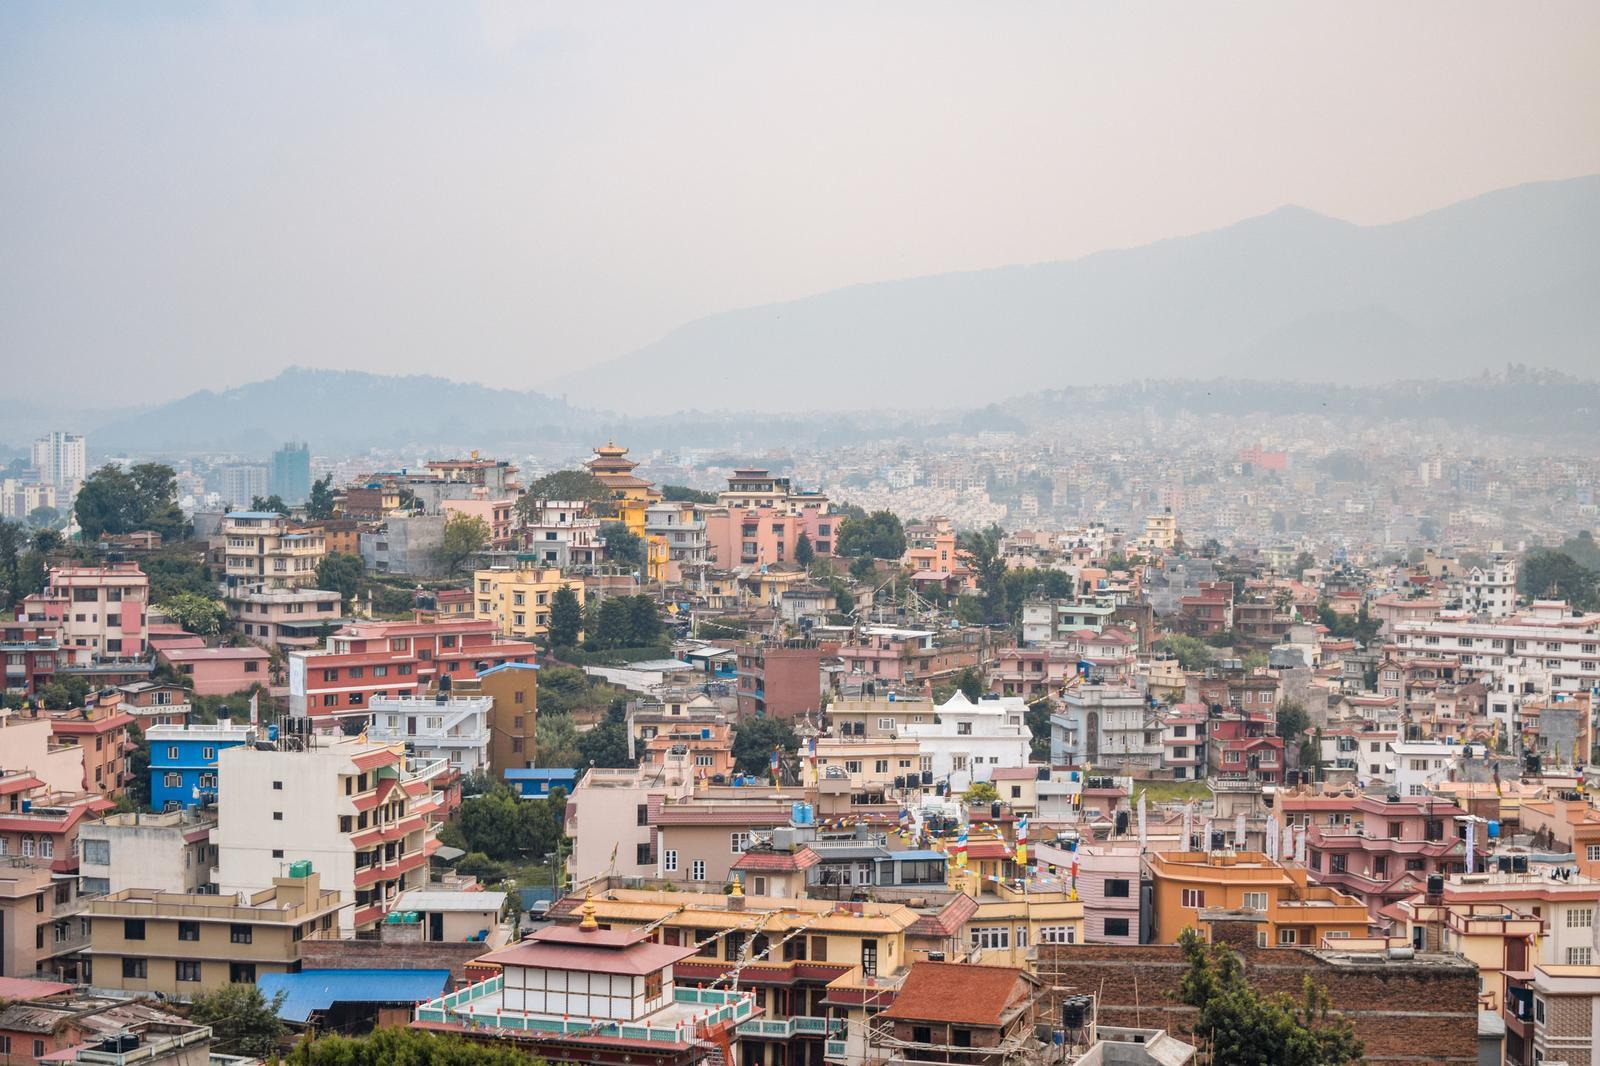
101	608
759	518
220	671
496	514
1108	885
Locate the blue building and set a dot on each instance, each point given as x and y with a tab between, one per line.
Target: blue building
534	783
183	761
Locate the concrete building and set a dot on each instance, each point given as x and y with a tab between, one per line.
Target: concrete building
287	618
240	483
1190	887
514	714
291	474
780	679
40	930
680	527
359	812
1492	588
220	671
167	852
966	741
61	460
101	608
183	761
1044	621
759	518
405	544
262	551
517	598
1566	1011
609	817
1381	849
448	727
100	731
1110	727
561	533
180	945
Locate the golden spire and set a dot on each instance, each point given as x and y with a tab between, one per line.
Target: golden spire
588	924
738	886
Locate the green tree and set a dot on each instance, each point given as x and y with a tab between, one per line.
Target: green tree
44	518
172	571
644	621
64	692
970	682
138	791
980	792
396	1045
864	568
1546	573
615	625
320	505
273	503
1303	562
623	545
341	573
243	1021
754	739
114	501
1038	719
1192	653
195	613
566	618
578	485
983	552
464	536
803	551
606	745
556	738
1293	721
1245	1029
880	535
684	494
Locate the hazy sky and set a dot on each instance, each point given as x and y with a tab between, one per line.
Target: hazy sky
200	194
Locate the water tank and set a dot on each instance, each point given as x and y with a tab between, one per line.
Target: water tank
1074	1012
994	811
300	868
1122	822
900	781
1519	864
1043	774
927	777
272	733
1494	830
1435	884
800	814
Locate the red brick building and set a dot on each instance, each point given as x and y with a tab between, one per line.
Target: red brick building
781	680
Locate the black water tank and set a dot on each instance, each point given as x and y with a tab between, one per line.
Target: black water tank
1435	884
1074	1012
900	781
1519	864
927	777
1122	822
1043	774
994	811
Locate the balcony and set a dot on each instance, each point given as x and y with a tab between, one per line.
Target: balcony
479	1006
785	1028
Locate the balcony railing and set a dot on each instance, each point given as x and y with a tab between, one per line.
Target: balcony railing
784	1028
456	1008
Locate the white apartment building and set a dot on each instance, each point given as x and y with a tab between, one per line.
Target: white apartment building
1547	647
561	533
1106	725
610	815
1492	589
61	460
1416	767
968	741
1044	621
452	728
261	551
358	811
166	852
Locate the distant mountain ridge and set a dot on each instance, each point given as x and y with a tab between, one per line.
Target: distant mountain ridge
1508	277
342	410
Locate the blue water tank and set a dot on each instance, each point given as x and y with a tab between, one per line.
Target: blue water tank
1494	830
272	732
800	814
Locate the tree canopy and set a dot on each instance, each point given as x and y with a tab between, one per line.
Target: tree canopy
194	612
983	555
623	545
879	535
112	500
273	503
567	485
320	503
23	570
754	739
1246	1029
394	1045
340	573
684	494
566	618
502	825
464	536
1545	573
243	1021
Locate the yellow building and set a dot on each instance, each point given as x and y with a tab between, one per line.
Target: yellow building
517	598
178	944
1295	911
633	496
263	551
1010	922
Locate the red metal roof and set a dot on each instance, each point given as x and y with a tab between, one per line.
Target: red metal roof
778	861
958	993
635	959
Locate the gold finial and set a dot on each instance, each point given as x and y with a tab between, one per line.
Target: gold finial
738	886
588	924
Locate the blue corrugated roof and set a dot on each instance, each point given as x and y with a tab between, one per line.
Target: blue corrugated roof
529	773
508	666
312	990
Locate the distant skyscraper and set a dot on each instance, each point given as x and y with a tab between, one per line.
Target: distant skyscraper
291	473
60	460
240	483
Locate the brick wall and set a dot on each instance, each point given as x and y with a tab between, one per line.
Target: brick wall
1403	1011
376	954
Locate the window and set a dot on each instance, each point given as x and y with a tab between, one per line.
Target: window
852	766
1580	917
133	968
1058	934
97	852
641	814
869	957
133	928
242	973
1592	852
641	854
1255	901
738	842
240	934
963	729
188	970
1117	888
881	766
886	723
1288	936
697	870
277	816
1116	927
998	936
188	930
172	780
1579	956
1193	897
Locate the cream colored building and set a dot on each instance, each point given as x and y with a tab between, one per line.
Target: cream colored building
262	551
181	945
517	598
166	852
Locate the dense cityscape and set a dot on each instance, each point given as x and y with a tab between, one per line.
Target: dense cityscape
738	534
